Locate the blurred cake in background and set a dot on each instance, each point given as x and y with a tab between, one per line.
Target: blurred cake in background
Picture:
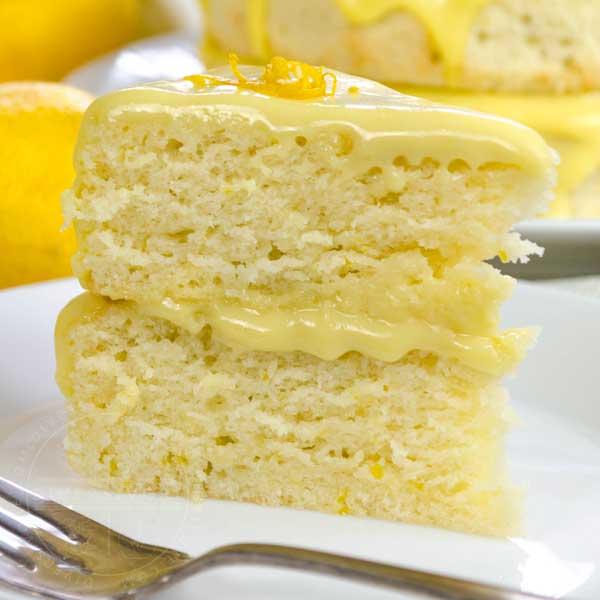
39	123
537	62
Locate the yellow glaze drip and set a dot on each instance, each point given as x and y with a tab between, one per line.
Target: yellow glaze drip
386	121
282	79
570	123
447	21
328	334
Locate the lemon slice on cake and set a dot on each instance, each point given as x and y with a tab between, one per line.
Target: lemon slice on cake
39	123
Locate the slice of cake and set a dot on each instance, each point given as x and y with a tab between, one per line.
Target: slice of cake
289	300
507	45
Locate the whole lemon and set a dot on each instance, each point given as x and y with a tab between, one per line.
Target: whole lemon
39	123
45	39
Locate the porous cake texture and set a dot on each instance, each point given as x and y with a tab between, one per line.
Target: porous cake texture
502	45
289	300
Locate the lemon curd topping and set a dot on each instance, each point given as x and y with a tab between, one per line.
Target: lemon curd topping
448	23
281	78
570	123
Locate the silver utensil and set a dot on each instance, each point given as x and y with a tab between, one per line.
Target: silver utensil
57	553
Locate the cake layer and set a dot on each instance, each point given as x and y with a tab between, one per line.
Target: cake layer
365	201
154	408
545	46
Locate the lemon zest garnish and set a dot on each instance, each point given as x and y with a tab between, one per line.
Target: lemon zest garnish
282	78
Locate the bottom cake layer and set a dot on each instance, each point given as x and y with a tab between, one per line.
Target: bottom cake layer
153	408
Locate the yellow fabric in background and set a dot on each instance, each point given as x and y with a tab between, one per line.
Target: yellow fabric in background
39	123
46	39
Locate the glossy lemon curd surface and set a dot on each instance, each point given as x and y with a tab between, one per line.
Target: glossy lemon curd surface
570	123
322	332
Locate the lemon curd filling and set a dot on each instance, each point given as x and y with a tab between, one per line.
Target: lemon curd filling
323	332
328	333
447	21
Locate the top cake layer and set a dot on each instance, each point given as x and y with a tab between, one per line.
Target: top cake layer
389	121
545	46
227	199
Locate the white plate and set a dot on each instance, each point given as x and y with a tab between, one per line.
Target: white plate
555	454
170	56
572	247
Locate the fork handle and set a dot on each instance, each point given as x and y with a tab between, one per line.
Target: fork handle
425	585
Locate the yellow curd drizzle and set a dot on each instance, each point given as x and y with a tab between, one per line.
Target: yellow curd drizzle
281	78
448	23
328	333
323	332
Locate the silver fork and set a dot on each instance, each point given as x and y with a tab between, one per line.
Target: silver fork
67	556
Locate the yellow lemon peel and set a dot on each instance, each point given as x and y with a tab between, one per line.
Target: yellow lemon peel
282	78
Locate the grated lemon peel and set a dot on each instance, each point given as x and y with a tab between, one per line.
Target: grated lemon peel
282	78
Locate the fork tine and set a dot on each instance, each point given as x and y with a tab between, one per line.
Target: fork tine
39	507
15	556
18	529
37	538
75	526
